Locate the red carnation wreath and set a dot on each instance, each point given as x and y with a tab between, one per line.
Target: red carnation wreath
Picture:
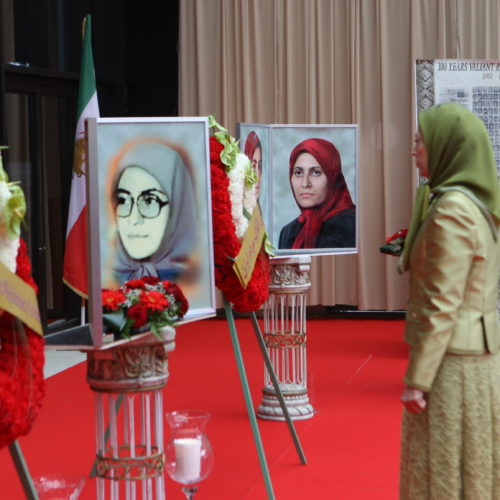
21	367
227	245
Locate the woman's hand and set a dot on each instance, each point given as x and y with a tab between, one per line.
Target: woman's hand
413	399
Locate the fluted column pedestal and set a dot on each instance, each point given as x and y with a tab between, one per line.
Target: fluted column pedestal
285	339
128	380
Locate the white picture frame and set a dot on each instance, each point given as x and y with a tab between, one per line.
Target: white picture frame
185	253
278	203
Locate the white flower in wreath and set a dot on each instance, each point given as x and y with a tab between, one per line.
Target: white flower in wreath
8	245
250	189
242	194
12	211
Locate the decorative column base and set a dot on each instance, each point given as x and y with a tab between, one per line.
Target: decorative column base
128	382
285	339
296	400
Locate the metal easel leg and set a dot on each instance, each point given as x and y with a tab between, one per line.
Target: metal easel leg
248	400
277	388
22	471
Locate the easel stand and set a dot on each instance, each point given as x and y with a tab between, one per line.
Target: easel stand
128	380
248	398
285	339
22	471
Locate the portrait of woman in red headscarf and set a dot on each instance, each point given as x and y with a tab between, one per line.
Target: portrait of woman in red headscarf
253	150
328	214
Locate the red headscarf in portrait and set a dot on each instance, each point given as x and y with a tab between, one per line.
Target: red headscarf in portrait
337	198
251	144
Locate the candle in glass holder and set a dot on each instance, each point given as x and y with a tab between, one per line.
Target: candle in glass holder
187	459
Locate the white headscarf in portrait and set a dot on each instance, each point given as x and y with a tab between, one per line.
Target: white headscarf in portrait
167	167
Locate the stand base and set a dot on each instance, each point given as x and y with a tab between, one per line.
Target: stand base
297	403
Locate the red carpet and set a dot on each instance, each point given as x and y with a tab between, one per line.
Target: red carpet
352	443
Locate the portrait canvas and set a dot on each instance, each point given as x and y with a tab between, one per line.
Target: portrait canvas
309	176
254	142
150	204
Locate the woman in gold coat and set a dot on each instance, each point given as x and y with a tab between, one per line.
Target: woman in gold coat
450	443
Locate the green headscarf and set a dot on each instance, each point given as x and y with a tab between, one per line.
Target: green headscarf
460	157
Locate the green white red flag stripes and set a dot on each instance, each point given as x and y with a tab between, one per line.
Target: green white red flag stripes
75	255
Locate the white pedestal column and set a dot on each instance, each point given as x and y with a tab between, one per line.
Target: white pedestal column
285	339
127	381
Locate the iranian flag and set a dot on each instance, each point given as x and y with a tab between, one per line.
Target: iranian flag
75	255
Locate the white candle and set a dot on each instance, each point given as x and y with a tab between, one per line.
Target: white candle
187	459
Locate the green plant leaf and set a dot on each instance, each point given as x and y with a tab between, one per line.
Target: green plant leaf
115	321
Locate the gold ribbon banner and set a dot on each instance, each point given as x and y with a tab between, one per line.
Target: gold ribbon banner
19	299
252	242
284	339
126	467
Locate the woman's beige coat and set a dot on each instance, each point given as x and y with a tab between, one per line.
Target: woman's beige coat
454	263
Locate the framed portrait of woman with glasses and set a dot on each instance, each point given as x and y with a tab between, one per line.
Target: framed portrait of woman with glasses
149	193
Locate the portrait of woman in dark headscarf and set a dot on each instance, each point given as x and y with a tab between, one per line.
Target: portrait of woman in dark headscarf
328	215
253	150
152	205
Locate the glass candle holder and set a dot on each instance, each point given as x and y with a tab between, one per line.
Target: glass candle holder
58	486
188	454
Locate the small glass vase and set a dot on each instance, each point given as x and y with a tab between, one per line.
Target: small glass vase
58	486
188	454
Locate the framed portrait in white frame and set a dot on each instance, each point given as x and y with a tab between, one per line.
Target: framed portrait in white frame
309	186
254	142
149	208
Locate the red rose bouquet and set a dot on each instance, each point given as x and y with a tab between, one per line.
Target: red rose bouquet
394	244
145	303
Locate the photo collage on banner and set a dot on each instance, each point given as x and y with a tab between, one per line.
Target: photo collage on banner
308	185
472	83
151	199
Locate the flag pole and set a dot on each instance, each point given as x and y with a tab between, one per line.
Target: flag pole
75	255
84	25
83	303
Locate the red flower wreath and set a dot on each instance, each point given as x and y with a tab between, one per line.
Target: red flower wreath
21	368
227	245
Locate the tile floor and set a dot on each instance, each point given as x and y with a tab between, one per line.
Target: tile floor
58	361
